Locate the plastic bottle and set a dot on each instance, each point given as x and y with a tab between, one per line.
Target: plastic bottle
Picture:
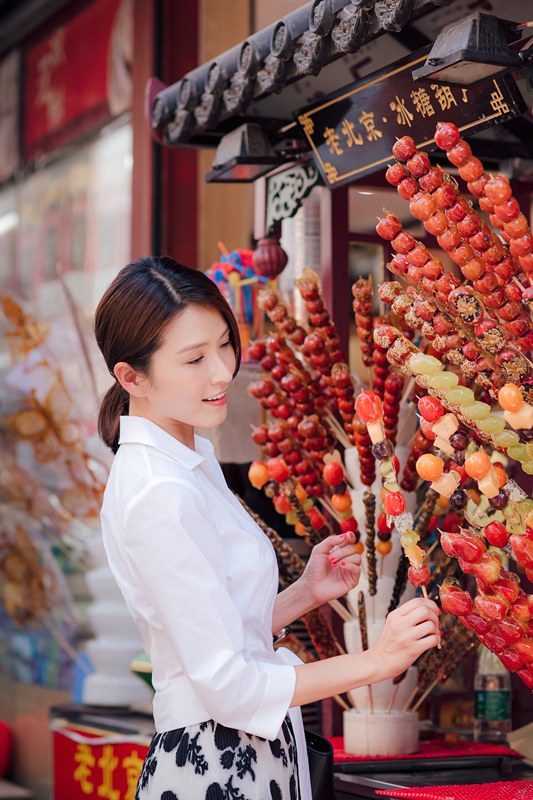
492	699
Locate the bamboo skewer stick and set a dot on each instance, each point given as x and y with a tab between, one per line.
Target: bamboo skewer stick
364	638
410	700
393	698
343	612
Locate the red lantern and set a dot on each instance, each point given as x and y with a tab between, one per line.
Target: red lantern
269	258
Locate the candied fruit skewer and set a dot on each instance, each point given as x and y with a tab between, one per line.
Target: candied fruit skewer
369	502
363	629
364	317
430	374
494	192
492	259
459	300
405	307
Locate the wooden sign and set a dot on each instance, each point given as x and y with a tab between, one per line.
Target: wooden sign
351	132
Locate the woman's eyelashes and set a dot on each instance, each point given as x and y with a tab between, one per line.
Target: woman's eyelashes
197	360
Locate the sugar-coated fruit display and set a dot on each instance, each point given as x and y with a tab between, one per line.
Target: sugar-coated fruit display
447	376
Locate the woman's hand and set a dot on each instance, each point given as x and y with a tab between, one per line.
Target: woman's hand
408	632
333	568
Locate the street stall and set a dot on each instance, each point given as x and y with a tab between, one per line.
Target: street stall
397	400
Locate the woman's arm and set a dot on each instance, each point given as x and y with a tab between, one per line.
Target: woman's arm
409	631
292	603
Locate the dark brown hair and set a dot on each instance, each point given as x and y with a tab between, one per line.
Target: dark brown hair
131	317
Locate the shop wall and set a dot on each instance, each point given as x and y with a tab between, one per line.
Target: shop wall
225	211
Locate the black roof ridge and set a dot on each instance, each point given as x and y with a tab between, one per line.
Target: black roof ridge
299	44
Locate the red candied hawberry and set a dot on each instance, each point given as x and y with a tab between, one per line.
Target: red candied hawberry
349	525
414	274
459	210
505	269
473	269
260	435
477	186
496	533
383	525
447	135
388	227
422	206
462	254
445	196
268	362
419	164
459	154
396	173
425	427
432	269
278	470
471	351
368	406
486	284
509	311
437	223
498	189
472	170
523	246
257	350
403	242
447	283
398	264
442	325
333	473
481	240
517	227
495	299
430	408
278	372
431	180
526	262
508	210
469	226
419	576
394	504
407	188
418	256
517	327
449	240
404	148
486	205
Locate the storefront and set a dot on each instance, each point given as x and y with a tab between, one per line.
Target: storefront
309	109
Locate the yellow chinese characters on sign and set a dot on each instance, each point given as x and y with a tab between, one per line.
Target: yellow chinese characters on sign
348	140
101	777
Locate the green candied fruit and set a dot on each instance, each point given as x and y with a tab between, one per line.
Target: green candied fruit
491	424
409	539
518	452
525	506
443	380
386	467
461	396
477	410
425	365
527	466
391	486
506	439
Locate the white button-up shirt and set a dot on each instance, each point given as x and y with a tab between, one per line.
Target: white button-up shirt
200	579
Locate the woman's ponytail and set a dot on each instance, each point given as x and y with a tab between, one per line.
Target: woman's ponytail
115	405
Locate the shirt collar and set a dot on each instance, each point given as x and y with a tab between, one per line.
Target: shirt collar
140	430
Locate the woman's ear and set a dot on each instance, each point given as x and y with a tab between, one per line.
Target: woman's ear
132	381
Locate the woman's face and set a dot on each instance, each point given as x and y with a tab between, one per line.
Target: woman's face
189	374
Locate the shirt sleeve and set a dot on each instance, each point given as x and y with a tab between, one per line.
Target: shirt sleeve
175	555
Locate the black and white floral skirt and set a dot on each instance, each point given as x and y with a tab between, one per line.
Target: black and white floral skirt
211	762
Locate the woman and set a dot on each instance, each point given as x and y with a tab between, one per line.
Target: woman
198	575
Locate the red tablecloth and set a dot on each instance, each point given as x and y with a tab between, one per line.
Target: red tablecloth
436	748
501	790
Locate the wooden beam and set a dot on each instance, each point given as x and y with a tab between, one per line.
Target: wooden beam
143	67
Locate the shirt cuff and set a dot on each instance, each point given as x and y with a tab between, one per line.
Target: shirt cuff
279	691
